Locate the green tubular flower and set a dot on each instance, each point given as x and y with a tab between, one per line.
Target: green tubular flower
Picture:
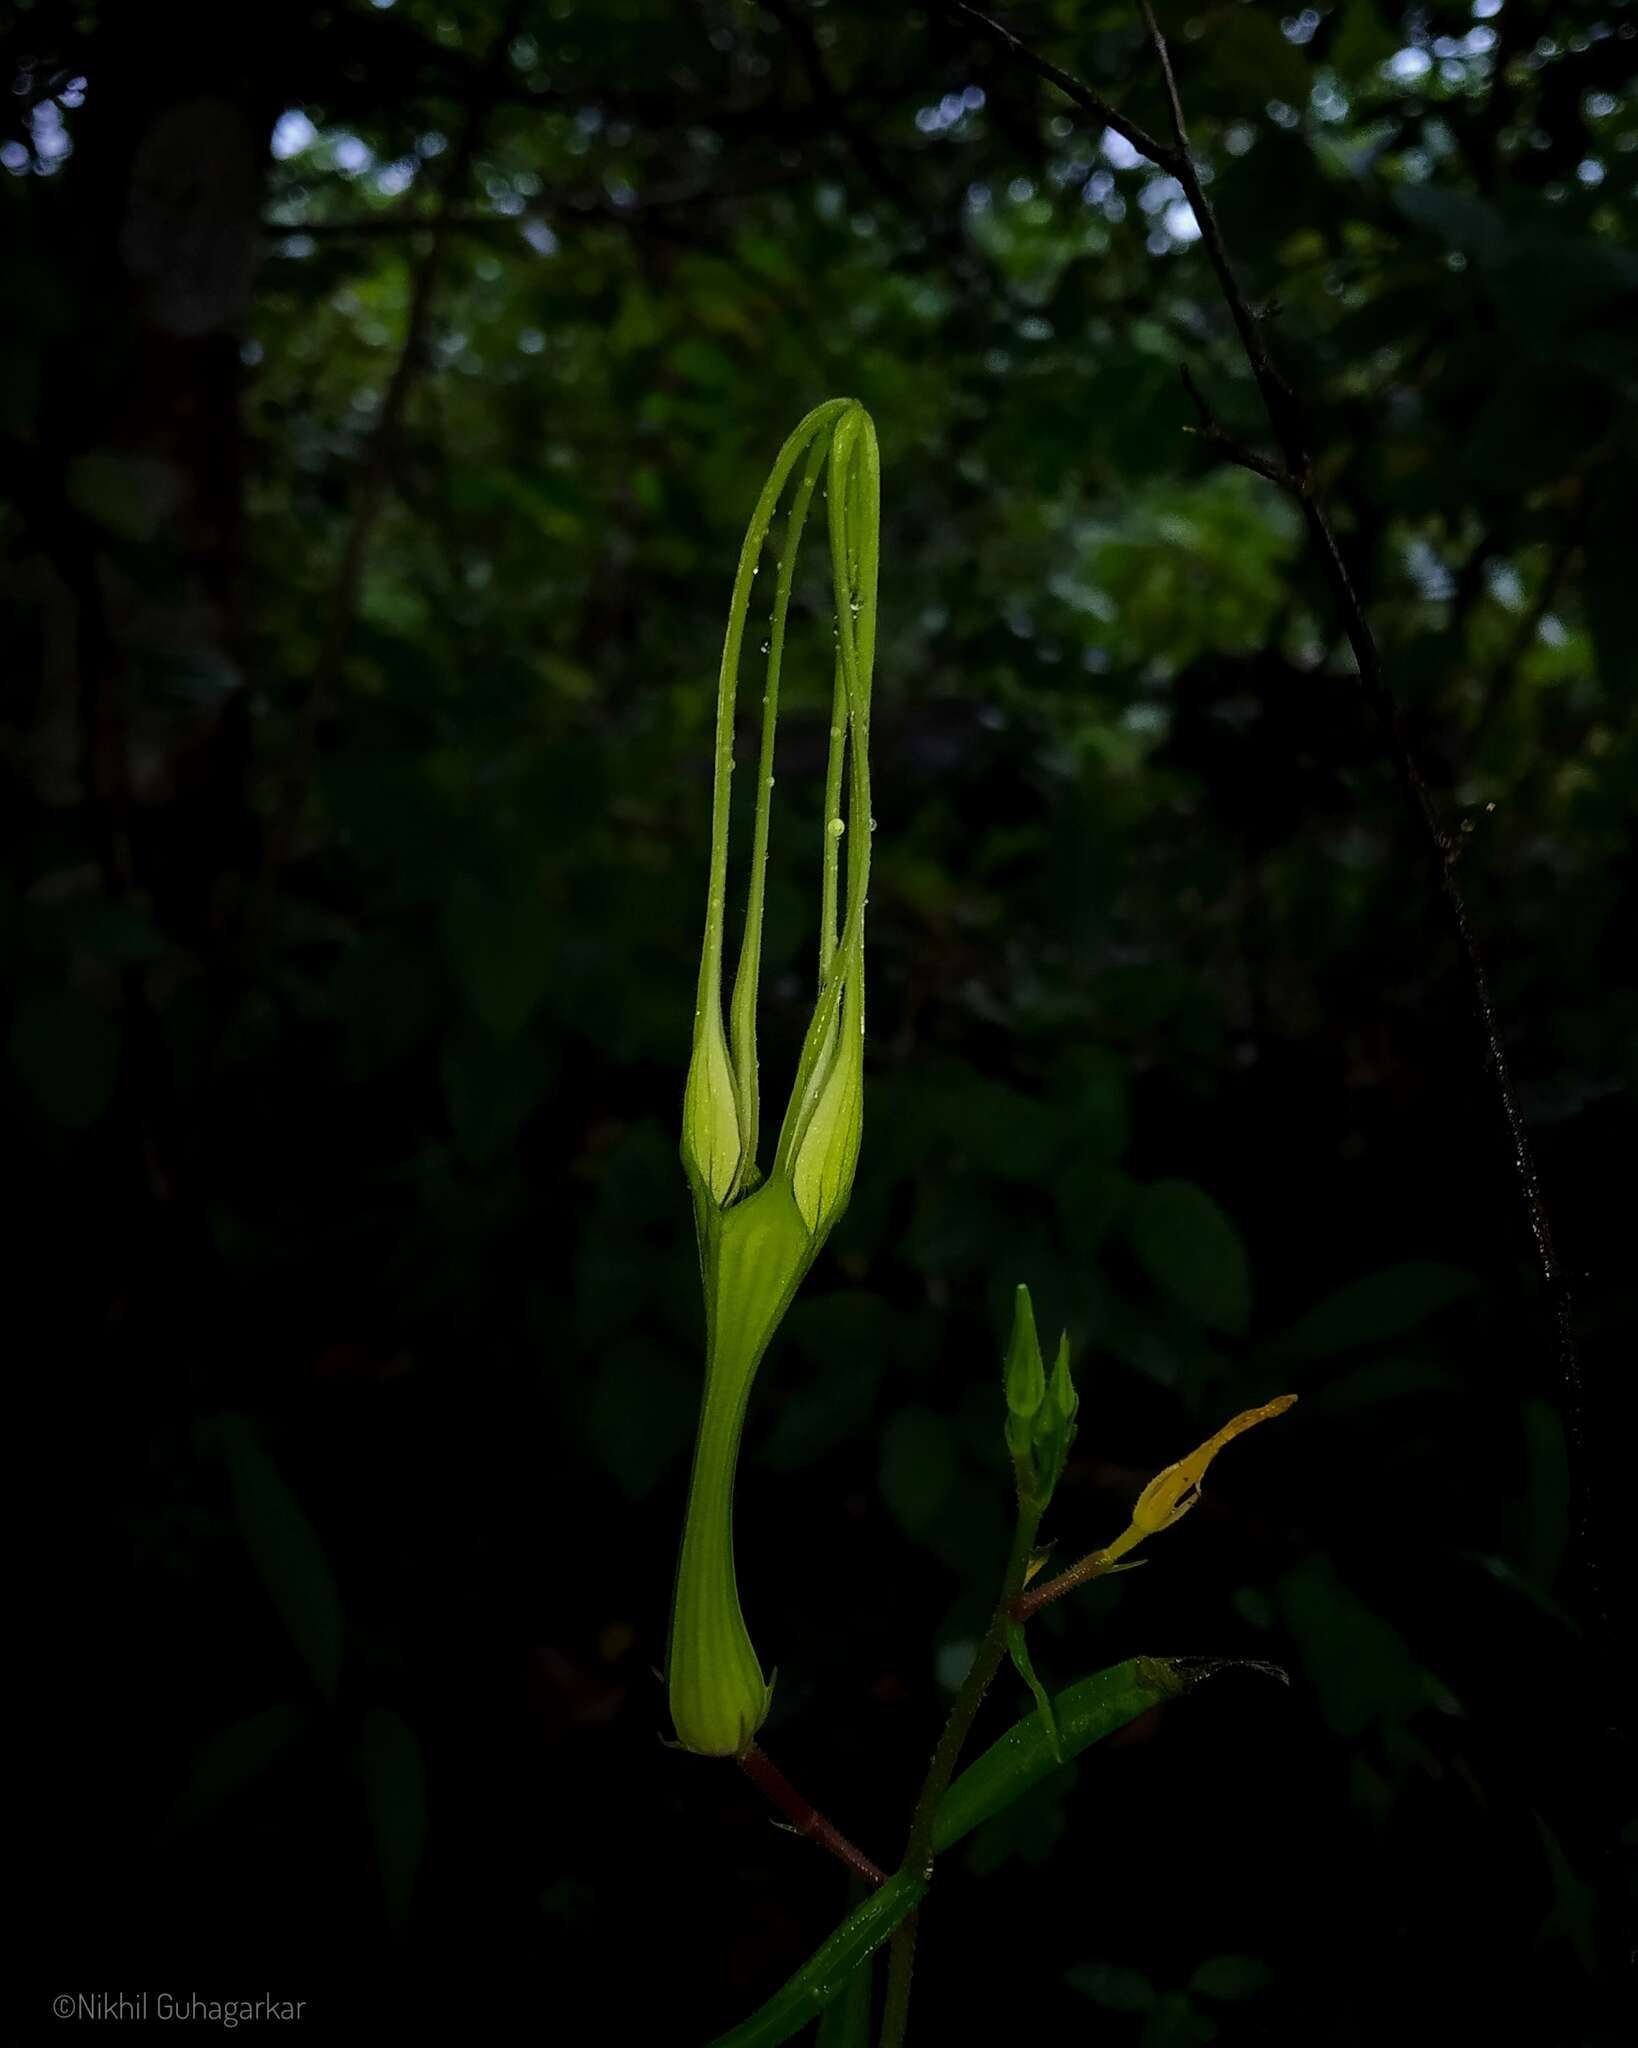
757	1238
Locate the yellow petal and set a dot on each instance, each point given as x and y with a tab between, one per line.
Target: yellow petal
1170	1494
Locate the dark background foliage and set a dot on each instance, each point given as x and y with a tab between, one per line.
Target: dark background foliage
363	592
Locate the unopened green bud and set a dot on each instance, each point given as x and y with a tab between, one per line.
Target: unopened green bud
1064	1396
1053	1430
828	1151
1025	1383
1025	1374
710	1135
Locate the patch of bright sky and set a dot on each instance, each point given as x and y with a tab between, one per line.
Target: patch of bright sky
1119	151
935	120
51	139
292	133
1404	67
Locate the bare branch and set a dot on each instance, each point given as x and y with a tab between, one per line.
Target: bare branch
1072	88
1211	430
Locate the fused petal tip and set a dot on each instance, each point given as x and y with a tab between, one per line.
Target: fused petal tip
1170	1494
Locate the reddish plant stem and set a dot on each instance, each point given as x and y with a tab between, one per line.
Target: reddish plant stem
1092	1566
802	1815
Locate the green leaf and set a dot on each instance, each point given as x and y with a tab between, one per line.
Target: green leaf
1374	1309
492	1087
235	1759
285	1549
133	496
1253	61
1018	1649
1362	40
1360	1666
1028	1830
66	1053
1191	1250
1085	1712
1176	2023
846	2022
501	948
641	1411
395	1803
1019	1761
825	1975
1111	1986
919	1464
1231	1977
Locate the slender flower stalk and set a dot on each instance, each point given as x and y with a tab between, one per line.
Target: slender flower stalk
1164	1501
757	1238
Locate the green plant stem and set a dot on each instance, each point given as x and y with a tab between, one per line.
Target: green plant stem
918	1851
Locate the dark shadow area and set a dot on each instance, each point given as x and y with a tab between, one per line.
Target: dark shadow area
383	392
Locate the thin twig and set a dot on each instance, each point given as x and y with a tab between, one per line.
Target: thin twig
377	469
1210	429
802	1816
1072	88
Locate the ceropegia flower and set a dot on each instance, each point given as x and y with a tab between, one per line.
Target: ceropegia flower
1170	1494
758	1237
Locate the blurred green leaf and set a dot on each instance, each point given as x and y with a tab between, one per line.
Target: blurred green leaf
1115	1988
1191	1250
234	1760
66	1051
643	1406
285	1549
1176	2023
1028	1829
501	949
919	1463
492	1088
395	1801
1358	1663
846	2021
1231	1977
1373	1310
1018	1650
